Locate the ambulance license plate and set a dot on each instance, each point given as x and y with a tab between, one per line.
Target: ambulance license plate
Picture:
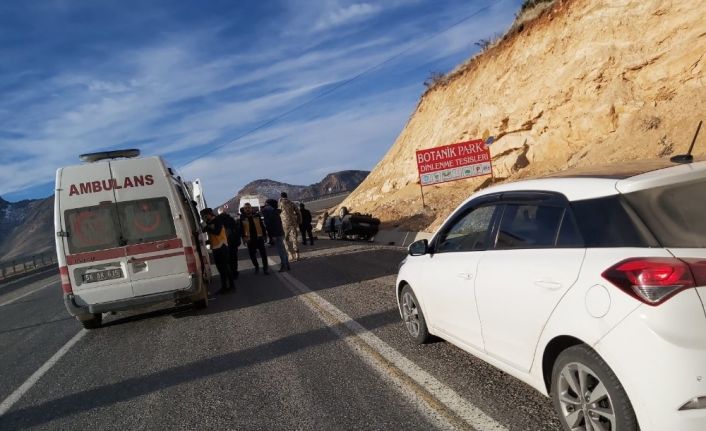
108	274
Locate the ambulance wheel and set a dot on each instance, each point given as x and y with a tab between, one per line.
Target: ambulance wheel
92	322
202	302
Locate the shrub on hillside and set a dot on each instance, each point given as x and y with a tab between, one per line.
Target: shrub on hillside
434	79
529	4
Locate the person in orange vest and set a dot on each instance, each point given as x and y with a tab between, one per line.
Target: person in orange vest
218	240
254	234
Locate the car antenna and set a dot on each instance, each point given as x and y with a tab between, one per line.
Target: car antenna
688	158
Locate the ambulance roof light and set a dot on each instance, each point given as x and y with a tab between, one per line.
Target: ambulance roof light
103	155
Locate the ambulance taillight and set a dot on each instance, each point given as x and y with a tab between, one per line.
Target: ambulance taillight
65	281
190	259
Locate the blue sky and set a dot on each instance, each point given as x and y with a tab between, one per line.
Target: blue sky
181	78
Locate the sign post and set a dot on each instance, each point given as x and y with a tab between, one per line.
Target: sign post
421	190
453	162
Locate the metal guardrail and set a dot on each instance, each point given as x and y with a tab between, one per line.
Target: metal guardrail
11	268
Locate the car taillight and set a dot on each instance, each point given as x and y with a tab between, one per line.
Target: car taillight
190	259
65	280
698	270
652	280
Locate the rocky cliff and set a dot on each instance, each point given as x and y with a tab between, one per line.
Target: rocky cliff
333	183
586	82
26	228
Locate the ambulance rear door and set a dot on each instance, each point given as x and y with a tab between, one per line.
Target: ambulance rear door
95	254
147	211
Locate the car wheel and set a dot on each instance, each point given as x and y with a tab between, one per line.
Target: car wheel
587	395
92	322
413	317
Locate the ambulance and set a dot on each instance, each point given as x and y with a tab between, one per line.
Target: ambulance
127	236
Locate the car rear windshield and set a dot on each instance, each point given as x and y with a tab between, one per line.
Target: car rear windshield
676	214
608	222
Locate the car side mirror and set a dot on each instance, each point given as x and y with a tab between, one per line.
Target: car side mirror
419	248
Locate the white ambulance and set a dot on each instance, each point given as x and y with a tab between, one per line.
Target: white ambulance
127	236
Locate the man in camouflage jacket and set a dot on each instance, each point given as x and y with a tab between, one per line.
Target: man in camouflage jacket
291	219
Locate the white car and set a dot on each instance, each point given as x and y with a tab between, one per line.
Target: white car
588	286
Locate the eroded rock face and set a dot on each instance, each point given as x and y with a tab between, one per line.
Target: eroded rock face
588	82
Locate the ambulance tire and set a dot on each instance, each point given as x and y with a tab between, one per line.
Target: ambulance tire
202	302
94	322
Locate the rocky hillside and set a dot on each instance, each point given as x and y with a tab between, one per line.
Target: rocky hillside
586	82
336	182
26	228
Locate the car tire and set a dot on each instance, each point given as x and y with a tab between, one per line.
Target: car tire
413	317
93	322
581	369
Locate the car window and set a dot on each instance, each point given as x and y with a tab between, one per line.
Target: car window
674	213
529	226
146	220
569	235
468	233
605	222
92	228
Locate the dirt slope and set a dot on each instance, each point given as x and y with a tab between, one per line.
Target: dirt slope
588	82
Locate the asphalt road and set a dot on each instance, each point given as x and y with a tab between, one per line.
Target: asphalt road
282	353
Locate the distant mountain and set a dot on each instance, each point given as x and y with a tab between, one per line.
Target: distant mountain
337	182
26	228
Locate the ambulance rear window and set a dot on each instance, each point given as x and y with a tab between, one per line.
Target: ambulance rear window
146	220
92	228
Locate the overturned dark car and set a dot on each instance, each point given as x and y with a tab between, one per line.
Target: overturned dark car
351	225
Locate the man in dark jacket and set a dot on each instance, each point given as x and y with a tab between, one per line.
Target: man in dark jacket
233	233
219	246
305	227
254	234
273	224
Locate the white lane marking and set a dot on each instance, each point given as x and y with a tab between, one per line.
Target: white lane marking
34	378
432	396
28	293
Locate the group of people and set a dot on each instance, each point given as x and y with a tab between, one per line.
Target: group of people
280	222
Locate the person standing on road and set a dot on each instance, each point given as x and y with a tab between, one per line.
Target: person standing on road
273	224
305	227
218	240
254	237
291	220
233	233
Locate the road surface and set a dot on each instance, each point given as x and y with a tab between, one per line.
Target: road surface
322	347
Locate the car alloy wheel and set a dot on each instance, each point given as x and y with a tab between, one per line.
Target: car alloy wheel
410	314
584	399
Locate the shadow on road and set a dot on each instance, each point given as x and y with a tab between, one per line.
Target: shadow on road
326	272
111	394
48	322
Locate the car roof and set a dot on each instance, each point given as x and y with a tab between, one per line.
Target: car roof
590	182
617	171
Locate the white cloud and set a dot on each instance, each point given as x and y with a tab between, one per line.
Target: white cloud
346	14
303	152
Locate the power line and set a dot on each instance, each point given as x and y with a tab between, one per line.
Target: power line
339	85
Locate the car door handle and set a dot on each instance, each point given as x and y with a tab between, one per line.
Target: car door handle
465	275
547	284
